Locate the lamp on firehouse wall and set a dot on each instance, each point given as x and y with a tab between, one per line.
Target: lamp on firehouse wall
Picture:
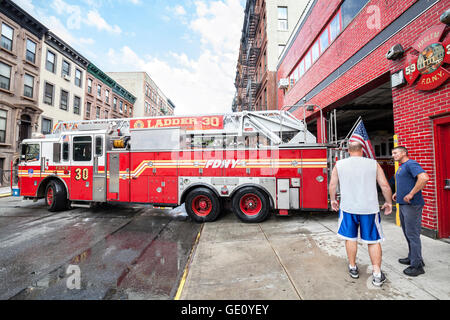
312	108
445	17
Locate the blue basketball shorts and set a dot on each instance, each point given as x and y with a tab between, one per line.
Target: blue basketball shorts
368	226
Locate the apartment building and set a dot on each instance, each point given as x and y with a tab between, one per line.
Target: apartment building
63	72
267	27
150	100
105	98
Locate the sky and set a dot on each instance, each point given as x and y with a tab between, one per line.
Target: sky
189	48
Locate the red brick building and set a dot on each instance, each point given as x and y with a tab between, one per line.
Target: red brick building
337	61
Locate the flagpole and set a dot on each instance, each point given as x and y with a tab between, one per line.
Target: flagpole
352	129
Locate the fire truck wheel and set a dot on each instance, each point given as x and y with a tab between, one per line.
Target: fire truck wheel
56	196
202	205
251	205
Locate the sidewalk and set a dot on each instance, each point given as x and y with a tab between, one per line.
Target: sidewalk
300	257
5	192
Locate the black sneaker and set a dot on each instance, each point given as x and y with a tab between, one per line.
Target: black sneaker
407	261
378	281
354	272
413	272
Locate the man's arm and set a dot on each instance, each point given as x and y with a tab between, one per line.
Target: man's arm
422	179
333	186
385	189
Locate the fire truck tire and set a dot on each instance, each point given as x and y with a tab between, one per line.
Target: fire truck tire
56	196
202	205
251	205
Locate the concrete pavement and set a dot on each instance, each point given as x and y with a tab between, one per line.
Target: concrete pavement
300	257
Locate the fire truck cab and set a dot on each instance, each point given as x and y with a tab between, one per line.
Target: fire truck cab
259	161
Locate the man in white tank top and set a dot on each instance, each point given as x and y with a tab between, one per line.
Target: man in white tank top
359	209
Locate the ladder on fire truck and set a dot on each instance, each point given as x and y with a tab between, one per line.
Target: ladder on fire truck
281	127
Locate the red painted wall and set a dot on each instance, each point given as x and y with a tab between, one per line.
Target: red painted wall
412	108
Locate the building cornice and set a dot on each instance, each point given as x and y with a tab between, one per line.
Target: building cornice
58	44
20	16
116	88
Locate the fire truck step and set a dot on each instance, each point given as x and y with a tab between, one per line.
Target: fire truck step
81	205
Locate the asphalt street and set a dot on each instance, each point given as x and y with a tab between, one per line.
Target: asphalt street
118	252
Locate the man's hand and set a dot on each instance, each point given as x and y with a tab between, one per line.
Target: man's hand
334	205
387	207
408	198
394	197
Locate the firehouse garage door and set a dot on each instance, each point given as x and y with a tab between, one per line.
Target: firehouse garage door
375	107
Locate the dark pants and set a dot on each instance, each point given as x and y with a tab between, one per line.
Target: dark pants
411	220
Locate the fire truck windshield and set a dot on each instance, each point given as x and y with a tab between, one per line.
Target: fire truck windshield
30	152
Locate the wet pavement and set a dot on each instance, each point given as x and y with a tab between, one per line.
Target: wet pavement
118	252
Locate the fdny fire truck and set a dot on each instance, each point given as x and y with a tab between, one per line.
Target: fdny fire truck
260	161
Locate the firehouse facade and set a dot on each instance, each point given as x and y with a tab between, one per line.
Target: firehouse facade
388	62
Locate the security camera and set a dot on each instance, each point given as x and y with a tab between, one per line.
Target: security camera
396	52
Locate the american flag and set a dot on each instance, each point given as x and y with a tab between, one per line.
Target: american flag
360	135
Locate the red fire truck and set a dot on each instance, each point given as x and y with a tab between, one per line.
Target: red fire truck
261	161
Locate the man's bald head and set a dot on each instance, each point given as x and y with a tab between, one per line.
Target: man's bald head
355	149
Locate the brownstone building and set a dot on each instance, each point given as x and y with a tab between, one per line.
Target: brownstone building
20	58
105	98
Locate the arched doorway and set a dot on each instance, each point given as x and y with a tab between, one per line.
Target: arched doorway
25	127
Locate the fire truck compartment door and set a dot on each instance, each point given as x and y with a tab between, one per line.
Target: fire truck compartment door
99	172
283	193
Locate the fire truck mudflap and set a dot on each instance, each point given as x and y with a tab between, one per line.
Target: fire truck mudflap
259	161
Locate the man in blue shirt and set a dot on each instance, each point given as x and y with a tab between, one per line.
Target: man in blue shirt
411	179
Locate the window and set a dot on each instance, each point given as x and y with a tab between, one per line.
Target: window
30	152
90	86
99	91
315	51
46	126
65	68
308	60
30	55
126	107
76	105
7	37
107	96
82	149
65	151
335	27
349	10
301	69
98	146
121	106
88	110
324	40
50	63
48	93
115	104
28	86
97	114
3	120
5	76
78	75
282	19
105	113
64	103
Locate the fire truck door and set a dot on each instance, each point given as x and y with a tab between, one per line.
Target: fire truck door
81	168
30	168
99	170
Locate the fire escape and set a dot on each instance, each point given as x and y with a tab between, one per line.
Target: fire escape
246	83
